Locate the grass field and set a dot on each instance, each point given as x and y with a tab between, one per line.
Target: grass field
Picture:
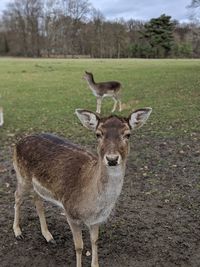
156	221
42	94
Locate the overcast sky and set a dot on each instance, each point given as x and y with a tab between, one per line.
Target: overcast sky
137	9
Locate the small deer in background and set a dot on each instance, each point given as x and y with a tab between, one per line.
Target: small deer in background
104	89
1	116
85	185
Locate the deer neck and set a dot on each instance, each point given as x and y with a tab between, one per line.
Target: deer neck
92	84
91	80
102	192
110	179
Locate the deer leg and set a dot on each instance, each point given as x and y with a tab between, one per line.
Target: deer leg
99	100
1	118
40	211
18	201
94	234
120	105
78	241
115	104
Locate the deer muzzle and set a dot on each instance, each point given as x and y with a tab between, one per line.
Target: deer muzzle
112	159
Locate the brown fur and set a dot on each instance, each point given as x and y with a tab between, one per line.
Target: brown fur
85	185
104	89
57	164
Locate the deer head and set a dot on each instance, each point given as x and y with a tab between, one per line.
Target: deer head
88	76
113	133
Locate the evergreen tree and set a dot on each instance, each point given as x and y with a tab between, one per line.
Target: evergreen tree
158	32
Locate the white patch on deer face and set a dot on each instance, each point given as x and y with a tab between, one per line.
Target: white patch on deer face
112	160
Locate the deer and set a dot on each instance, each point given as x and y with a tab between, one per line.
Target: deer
85	185
104	89
1	117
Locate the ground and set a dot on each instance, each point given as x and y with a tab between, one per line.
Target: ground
156	221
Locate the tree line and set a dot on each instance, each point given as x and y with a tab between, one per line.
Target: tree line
74	28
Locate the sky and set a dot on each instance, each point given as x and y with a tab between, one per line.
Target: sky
137	9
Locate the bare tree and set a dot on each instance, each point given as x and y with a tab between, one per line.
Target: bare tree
22	19
194	10
96	38
78	11
73	27
50	29
15	25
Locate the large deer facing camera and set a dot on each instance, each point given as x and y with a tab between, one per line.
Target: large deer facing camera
85	185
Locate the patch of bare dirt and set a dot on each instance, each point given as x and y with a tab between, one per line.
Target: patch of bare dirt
156	221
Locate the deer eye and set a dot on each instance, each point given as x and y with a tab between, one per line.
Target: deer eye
127	136
99	135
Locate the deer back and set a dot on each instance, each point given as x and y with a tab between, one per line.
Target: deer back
55	164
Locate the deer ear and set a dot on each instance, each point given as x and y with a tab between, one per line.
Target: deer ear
138	118
89	119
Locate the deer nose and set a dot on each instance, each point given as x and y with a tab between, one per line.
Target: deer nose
112	160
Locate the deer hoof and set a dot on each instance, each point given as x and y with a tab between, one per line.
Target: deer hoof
19	237
52	241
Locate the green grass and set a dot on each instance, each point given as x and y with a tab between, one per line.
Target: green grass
42	94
